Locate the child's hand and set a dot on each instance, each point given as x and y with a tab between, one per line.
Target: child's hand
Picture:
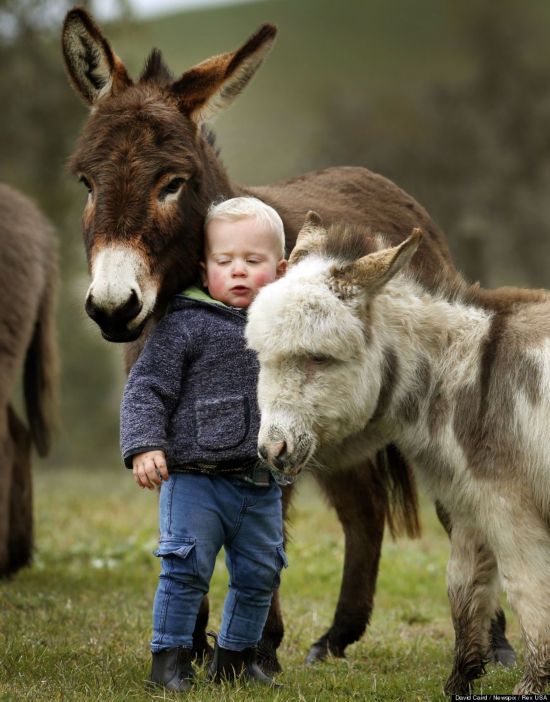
149	469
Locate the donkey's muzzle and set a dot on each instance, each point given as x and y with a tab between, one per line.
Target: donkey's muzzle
115	322
274	453
285	453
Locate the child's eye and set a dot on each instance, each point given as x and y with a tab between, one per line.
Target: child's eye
253	260
222	262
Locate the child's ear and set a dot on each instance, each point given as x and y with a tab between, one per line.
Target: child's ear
204	278
281	268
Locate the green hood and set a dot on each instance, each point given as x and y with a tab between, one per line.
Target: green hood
196	293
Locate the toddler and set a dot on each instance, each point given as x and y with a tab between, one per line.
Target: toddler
189	423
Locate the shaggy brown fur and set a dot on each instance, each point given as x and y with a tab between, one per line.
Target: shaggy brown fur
28	277
149	139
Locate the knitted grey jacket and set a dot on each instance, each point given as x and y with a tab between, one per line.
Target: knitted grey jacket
192	391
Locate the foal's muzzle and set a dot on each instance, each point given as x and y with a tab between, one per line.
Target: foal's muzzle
286	455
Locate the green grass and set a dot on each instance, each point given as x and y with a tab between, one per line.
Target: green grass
75	626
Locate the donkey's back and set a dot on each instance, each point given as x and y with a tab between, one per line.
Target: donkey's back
358	196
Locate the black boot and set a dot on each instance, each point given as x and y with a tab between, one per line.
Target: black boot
172	669
229	665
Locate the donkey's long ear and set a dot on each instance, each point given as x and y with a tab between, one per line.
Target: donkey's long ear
373	271
95	70
212	85
309	239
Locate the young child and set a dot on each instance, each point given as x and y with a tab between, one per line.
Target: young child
189	422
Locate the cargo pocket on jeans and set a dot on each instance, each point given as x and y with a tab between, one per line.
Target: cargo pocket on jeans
222	424
282	562
183	549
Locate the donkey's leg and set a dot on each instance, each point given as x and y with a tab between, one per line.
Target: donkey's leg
16	324
536	674
202	650
529	594
6	478
274	627
522	544
20	538
472	580
360	504
271	638
501	650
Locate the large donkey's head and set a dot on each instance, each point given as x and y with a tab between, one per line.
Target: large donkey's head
315	334
149	169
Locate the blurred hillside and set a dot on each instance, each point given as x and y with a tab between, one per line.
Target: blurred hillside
451	100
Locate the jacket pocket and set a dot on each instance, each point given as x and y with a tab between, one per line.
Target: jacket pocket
222	423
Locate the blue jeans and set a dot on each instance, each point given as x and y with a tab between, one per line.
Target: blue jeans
198	515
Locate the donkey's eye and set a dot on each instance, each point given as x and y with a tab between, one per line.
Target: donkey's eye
172	188
319	360
86	183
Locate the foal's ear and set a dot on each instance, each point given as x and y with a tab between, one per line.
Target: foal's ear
373	271
310	238
94	69
206	89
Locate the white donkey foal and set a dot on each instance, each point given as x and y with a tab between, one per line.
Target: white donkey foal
355	354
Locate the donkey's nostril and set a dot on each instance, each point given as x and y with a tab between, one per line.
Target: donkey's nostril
132	307
90	307
262	453
111	316
280	450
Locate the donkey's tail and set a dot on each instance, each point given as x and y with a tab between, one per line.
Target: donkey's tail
40	382
396	475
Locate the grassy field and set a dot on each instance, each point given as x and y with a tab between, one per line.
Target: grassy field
76	625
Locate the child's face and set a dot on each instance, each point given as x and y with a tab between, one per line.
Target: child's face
241	257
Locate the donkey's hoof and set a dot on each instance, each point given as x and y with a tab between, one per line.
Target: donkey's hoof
202	652
320	650
18	560
268	661
505	656
458	685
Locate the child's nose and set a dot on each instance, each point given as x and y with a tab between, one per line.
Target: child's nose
239	268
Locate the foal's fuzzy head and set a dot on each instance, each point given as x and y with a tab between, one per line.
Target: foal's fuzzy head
319	366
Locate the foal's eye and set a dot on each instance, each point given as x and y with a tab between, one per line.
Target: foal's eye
319	360
171	188
86	183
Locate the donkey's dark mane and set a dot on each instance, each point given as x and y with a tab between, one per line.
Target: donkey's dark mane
503	300
209	135
347	243
155	70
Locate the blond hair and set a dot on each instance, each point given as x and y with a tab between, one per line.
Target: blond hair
237	208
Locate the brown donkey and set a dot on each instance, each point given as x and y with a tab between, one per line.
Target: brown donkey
151	170
28	278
